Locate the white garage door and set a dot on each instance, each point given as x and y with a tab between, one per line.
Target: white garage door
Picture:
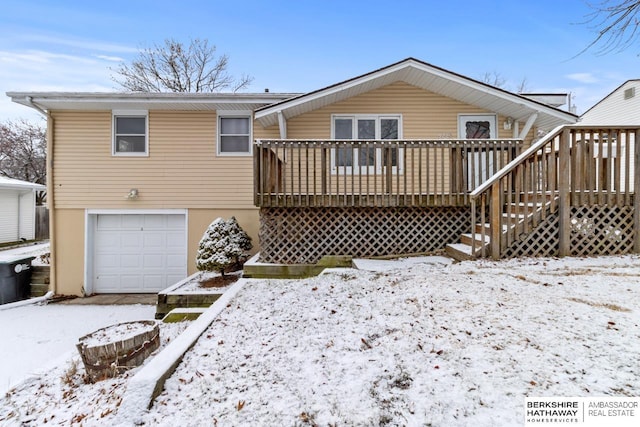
138	253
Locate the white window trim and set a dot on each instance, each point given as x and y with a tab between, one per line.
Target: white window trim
132	113
478	116
231	114
378	167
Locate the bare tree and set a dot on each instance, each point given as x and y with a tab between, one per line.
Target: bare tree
494	79
23	152
616	24
523	86
174	67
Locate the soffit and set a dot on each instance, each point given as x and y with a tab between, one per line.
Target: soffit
51	101
427	77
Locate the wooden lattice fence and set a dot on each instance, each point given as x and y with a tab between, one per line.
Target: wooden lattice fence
595	230
305	235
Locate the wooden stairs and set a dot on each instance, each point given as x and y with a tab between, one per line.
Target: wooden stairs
524	215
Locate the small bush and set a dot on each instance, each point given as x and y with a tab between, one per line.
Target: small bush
222	245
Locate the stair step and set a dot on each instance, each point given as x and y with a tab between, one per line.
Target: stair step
461	252
523	207
547	196
38	290
514	215
467	238
183	313
487	228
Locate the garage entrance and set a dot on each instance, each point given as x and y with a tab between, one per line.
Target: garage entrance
137	253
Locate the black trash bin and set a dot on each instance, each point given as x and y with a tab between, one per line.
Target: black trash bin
15	278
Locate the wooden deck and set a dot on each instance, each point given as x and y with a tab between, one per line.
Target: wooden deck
570	193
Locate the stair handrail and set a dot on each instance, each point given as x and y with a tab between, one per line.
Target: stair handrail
535	147
482	191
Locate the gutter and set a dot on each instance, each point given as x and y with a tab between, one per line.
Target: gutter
36	107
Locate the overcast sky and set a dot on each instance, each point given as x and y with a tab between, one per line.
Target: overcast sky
303	45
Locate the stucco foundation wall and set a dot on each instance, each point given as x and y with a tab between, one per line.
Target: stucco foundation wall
68	250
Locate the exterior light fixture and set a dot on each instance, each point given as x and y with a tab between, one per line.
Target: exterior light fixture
508	123
133	194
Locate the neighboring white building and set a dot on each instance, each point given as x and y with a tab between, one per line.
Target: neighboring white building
17	209
620	107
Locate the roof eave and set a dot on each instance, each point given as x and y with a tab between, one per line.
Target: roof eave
58	100
267	115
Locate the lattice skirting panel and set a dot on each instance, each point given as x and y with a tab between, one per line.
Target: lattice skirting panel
543	241
595	230
305	235
601	230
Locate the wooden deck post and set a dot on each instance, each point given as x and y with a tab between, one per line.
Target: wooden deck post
564	206
257	176
323	172
496	223
636	188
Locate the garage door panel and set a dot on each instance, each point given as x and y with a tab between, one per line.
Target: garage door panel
108	222
130	282
131	222
108	282
157	222
130	261
108	242
175	222
108	261
138	253
153	281
174	261
154	239
131	239
175	240
154	261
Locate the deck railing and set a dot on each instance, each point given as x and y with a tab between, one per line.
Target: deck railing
571	166
330	173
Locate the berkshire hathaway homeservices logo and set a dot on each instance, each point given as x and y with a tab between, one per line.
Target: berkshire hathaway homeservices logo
582	411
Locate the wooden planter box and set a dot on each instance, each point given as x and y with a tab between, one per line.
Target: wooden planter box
177	297
131	344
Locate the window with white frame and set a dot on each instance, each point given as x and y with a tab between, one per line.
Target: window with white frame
130	133
349	159
234	134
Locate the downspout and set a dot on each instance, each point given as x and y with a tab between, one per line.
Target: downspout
50	200
36	107
51	204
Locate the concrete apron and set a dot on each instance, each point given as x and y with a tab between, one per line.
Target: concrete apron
110	299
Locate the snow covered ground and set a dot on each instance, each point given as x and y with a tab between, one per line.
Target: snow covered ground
34	337
34	250
423	344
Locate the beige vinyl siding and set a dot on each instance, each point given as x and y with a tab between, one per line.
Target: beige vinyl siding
425	115
182	169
